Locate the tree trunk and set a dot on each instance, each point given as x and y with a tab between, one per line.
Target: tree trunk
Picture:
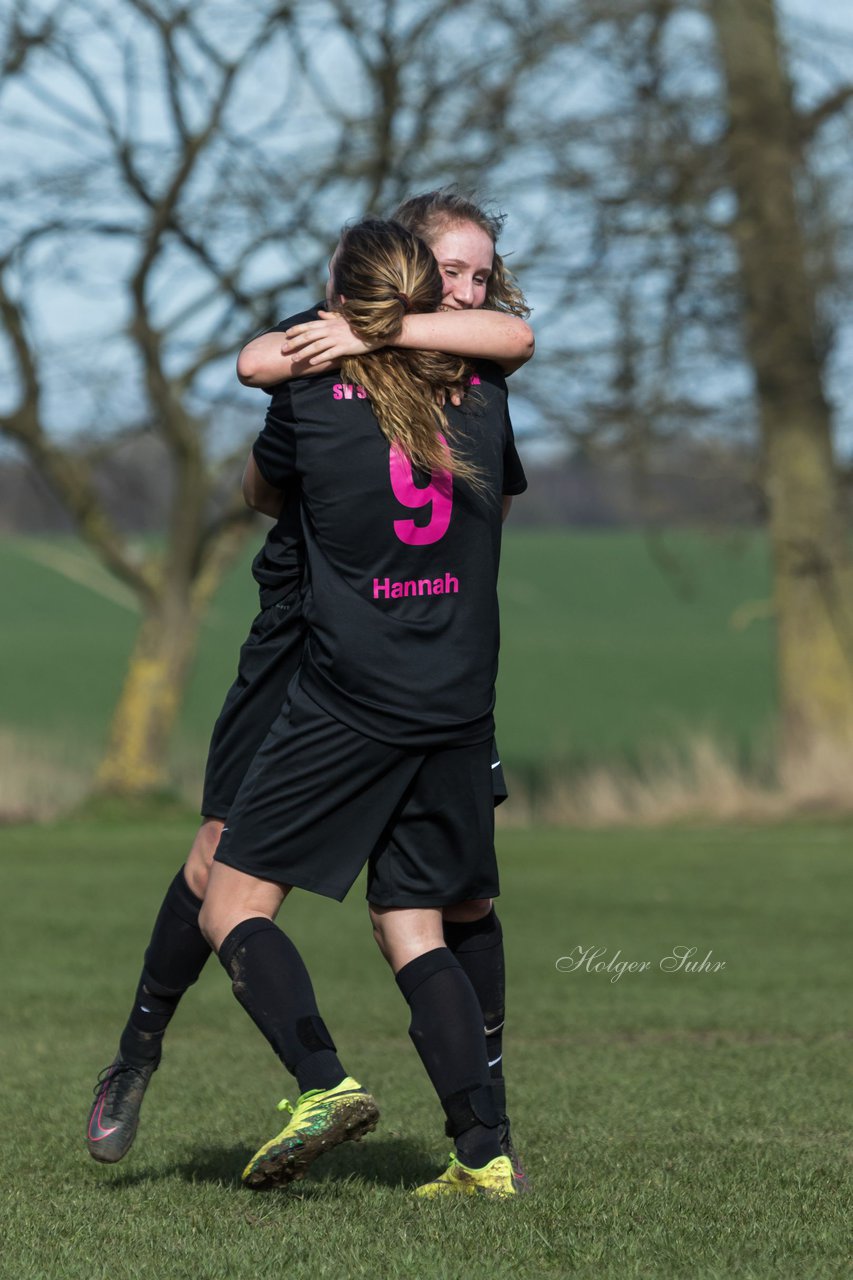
136	759
812	567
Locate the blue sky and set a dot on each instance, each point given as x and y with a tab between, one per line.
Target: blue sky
88	309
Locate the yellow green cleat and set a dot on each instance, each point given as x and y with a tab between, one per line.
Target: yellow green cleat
321	1120
494	1179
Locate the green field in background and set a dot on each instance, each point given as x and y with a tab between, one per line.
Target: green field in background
674	1125
603	652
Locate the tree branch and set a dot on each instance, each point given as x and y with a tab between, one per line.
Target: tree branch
69	475
808	123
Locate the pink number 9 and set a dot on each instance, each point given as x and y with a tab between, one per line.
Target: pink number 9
439	492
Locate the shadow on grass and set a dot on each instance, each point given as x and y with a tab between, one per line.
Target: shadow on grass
387	1162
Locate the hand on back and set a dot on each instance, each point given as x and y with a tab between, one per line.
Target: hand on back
326	341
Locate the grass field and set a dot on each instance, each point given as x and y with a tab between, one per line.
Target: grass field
674	1124
602	653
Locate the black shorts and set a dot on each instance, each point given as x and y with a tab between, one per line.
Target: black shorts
320	800
268	660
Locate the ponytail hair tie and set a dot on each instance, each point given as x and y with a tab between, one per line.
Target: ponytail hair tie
402	297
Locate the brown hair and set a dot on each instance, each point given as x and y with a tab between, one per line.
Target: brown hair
382	271
432	212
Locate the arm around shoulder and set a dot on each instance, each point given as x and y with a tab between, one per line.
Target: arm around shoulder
505	339
261	362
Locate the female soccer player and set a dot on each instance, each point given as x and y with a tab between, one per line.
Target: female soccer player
382	754
463	239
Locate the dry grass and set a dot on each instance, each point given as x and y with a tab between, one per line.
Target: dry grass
41	778
695	780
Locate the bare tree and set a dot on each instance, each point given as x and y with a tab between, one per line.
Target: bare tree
174	174
808	531
708	243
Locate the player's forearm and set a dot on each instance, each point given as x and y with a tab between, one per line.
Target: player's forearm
485	335
261	363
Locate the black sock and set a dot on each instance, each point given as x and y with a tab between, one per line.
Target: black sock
174	959
270	980
447	1031
478	946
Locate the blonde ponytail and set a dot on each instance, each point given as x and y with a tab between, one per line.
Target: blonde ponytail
384	272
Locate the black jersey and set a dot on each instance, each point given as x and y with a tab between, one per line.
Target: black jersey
401	609
277	568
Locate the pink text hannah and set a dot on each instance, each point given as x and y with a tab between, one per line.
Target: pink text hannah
384	587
